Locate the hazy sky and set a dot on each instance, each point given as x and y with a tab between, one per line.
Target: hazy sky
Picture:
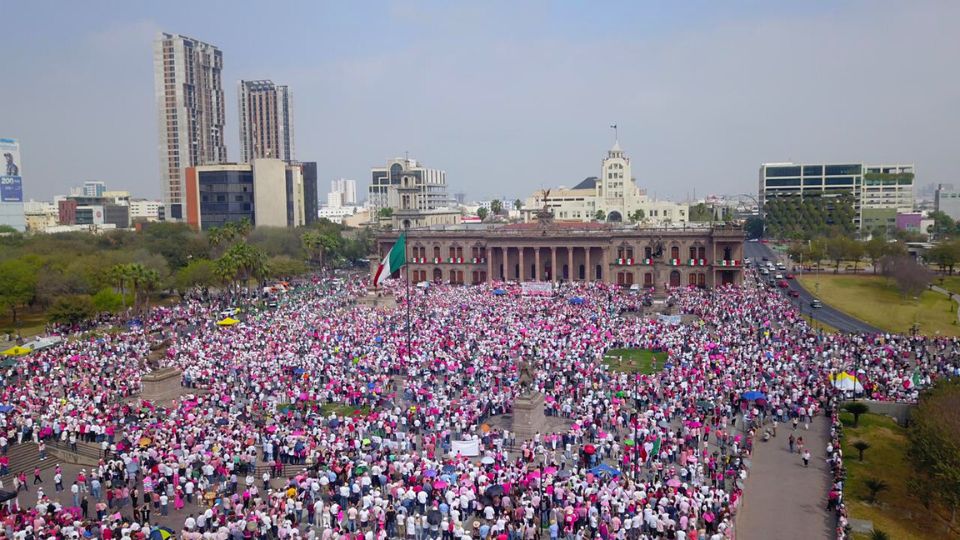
505	96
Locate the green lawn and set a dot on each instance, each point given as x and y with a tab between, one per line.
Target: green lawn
30	323
899	513
634	360
875	300
950	283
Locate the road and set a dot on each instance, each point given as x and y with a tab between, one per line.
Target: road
826	314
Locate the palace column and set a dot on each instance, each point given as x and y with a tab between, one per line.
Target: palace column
586	265
553	264
606	266
536	257
489	252
520	273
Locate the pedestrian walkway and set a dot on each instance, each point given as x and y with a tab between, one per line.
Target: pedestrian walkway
782	499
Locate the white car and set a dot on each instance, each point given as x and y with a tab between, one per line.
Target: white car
778	276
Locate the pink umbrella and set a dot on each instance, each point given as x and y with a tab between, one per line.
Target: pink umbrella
674	482
439	484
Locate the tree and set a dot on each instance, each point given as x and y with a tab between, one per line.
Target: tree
71	309
856	409
838	248
943	225
496	206
861	447
240	263
878	534
600	215
285	267
482	213
754	227
108	300
637	216
198	273
933	449
875	486
945	255
517	204
18	284
875	249
321	245
855	251
700	212
911	278
385	213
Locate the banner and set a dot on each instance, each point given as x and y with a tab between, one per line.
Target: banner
465	448
669	319
11	183
536	288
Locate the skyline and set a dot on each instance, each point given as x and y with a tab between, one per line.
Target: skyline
696	90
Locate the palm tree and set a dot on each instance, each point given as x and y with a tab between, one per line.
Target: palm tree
875	485
496	206
120	274
517	204
856	409
877	534
861	447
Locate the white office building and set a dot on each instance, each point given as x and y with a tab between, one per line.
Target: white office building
190	112
347	189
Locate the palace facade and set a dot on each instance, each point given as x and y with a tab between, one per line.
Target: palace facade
652	257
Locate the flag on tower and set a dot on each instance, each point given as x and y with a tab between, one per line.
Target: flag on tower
394	260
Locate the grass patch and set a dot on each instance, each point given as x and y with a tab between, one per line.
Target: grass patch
950	283
642	361
876	300
30	323
342	409
899	512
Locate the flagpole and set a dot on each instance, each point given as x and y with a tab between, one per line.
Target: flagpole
409	299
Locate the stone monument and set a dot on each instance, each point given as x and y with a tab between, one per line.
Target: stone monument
528	415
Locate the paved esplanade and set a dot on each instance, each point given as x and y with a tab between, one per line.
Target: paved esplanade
783	500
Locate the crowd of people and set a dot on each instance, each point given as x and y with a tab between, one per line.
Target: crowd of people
323	418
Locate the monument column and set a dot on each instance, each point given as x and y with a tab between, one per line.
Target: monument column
553	264
520	275
586	264
536	258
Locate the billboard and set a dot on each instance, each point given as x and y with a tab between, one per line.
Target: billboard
11	184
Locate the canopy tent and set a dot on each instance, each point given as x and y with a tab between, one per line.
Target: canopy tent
846	382
753	395
16	350
576	301
227	321
499	292
44	343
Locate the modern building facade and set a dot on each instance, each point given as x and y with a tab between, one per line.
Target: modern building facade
311	202
93	188
658	258
947	200
343	191
267	192
266	121
97	211
878	192
417	195
189	96
613	195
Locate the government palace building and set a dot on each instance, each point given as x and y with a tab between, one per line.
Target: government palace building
657	257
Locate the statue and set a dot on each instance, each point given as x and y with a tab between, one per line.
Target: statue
545	215
527	374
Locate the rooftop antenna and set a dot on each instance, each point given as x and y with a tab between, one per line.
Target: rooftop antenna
406	155
616	133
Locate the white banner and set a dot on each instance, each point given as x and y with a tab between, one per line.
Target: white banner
465	448
536	288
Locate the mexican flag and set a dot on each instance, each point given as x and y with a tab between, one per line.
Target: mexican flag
392	262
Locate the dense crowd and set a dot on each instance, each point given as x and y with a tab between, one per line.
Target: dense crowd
313	419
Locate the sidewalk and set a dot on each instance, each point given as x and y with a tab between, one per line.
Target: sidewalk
782	499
